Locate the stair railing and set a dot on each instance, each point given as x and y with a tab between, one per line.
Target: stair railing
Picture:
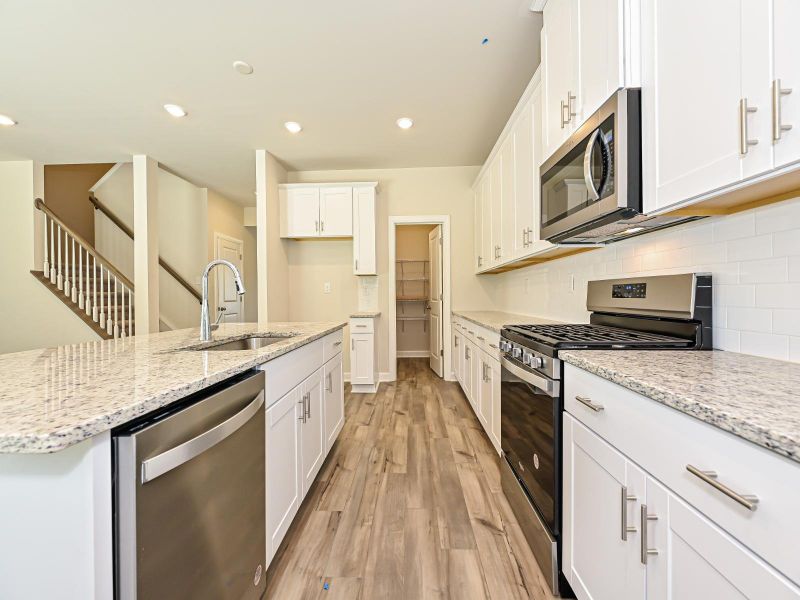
85	277
129	232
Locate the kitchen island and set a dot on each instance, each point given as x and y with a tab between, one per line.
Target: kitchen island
57	409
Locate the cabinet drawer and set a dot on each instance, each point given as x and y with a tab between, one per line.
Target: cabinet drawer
332	345
489	341
664	441
288	371
362	325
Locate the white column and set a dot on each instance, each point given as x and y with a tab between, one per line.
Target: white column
145	243
261	234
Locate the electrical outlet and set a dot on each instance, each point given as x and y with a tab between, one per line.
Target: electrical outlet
327	287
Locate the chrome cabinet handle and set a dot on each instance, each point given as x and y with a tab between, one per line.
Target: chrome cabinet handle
316	226
455	340
480	261
744	142
480	338
352	344
644	519
749	501
587	402
175	457
493	346
625	529
329	387
777	91
471	332
322	225
563	122
339	343
570	113
308	405
356	264
302	402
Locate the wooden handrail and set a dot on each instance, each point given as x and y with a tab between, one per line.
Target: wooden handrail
39	203
129	232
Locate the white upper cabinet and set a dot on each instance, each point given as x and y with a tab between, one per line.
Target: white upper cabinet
478	230
507	201
364	225
600	59
559	74
786	77
299	208
336	211
486	221
525	192
495	201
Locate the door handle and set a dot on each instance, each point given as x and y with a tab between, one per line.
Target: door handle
175	457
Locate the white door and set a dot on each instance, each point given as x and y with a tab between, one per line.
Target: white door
697	561
302	212
507	199
523	181
229	303
336	211
312	431
284	492
596	513
435	301
361	358
600	64
558	72
786	16
334	400
690	147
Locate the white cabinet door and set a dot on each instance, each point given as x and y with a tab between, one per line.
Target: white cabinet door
507	200
300	212
786	16
334	400
468	353
558	72
690	49
596	515
696	560
364	225
312	431
523	181
494	384
756	66
600	62
336	211
455	354
486	222
284	488
361	358
495	207
484	395
477	230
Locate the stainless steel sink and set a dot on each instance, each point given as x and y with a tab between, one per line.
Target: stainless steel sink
253	342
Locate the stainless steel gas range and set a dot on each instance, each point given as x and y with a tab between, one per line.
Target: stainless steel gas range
654	313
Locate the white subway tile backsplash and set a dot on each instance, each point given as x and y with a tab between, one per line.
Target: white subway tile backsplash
794	349
778	217
726	339
749	319
765	344
750	248
778	295
794	268
741	225
708	253
771	270
786	243
786	321
734	295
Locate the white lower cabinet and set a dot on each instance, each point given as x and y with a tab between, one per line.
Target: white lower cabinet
627	535
301	427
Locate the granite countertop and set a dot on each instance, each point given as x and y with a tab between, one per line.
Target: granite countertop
755	398
365	314
496	320
53	398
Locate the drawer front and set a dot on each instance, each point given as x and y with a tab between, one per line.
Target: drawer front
470	331
665	441
288	371
332	344
362	325
490	343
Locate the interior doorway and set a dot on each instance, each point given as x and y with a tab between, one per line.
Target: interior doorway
228	301
419	285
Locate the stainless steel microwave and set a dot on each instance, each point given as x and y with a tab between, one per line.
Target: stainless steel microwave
591	188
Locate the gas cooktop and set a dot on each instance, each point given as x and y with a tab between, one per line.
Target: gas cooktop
595	336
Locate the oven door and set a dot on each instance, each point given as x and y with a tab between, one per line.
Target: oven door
530	432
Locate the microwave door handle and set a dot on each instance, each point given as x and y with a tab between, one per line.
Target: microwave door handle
587	166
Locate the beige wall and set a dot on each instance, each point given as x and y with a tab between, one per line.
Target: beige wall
415	191
278	286
66	188
227	217
32	316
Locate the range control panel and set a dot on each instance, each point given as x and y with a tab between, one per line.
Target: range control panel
629	290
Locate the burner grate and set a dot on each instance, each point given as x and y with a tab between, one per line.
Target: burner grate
596	335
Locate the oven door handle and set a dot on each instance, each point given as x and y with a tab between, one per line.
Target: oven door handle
548	386
587	166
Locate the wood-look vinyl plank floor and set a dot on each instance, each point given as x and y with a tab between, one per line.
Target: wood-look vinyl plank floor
407	506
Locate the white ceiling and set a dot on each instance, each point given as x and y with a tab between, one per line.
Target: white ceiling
87	80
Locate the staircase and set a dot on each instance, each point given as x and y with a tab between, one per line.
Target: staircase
84	280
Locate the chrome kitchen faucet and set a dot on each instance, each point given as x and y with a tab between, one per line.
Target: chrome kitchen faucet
205	320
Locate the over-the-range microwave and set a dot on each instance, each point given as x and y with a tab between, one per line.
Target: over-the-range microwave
591	188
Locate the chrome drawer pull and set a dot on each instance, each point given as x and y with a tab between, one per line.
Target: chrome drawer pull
337	344
494	346
749	501
587	402
645	550
625	529
481	339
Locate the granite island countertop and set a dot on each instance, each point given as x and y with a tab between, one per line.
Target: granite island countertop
496	320
53	398
757	399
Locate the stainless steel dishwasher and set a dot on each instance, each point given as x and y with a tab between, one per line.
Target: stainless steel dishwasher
189	498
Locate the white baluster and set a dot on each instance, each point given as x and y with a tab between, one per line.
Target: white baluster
95	316
80	276
122	314
102	320
74	288
116	308
52	255
46	264
67	287
87	302
130	311
59	280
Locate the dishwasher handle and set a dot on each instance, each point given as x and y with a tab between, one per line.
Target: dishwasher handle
175	457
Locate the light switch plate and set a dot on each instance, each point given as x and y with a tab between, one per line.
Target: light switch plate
327	287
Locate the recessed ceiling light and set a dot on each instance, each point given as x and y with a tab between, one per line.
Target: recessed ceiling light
7	121
175	110
404	123
242	67
293	127
634	230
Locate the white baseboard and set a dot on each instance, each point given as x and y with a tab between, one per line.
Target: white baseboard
413	354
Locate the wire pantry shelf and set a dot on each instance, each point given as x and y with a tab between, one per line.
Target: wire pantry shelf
412	299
